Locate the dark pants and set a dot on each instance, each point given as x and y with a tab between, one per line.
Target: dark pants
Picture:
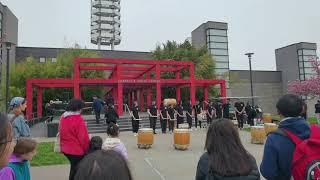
171	125
196	121
153	122
189	121
135	126
74	161
209	120
180	120
97	113
164	125
240	118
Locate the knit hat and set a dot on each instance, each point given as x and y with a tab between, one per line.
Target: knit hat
16	101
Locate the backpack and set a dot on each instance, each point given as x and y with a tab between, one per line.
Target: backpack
306	156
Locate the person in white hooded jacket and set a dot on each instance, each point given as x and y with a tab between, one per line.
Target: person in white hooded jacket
113	142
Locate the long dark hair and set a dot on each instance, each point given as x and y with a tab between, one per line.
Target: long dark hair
103	165
113	130
227	156
75	105
6	135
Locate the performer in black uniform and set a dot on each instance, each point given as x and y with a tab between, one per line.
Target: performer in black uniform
189	114
153	113
111	115
163	118
180	118
197	110
226	109
172	117
135	114
219	110
240	111
211	113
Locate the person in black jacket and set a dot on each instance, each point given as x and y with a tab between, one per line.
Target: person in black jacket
180	116
226	158
163	117
172	118
189	114
317	108
197	110
135	118
153	115
111	115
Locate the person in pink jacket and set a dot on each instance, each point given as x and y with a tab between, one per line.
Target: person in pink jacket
74	138
113	142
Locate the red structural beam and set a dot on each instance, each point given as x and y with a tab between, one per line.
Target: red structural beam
130	61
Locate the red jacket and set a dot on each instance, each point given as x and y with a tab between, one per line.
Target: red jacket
74	138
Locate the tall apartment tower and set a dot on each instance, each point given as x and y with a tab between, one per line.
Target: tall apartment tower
295	62
214	36
105	23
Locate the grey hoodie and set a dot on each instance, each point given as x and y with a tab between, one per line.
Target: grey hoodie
115	144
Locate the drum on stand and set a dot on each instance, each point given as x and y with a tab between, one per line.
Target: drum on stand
267	118
258	135
145	138
270	127
169	102
181	139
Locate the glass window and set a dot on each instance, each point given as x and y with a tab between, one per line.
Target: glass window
218	39
308	64
217	32
219	52
222	65
42	60
218	45
301	70
309	58
309	52
300	64
302	77
54	60
221	58
308	76
309	71
300	52
300	58
221	71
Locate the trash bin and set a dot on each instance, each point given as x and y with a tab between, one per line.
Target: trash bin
52	129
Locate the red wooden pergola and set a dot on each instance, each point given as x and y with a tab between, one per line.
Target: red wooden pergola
127	77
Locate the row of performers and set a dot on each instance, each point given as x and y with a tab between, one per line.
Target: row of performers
171	114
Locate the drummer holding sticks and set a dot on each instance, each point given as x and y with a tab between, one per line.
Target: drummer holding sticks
172	117
189	114
180	114
135	118
153	115
163	117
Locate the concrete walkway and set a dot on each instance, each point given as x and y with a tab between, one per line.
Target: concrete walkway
162	162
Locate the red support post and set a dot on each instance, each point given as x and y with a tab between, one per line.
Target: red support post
192	93
158	86
120	99
76	80
149	96
130	99
29	99
178	94
39	102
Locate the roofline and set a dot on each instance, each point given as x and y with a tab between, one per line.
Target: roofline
254	70
81	49
295	44
208	22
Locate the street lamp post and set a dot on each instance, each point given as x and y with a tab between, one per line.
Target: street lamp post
251	84
7	74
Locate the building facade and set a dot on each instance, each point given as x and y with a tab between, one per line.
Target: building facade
295	62
8	42
214	36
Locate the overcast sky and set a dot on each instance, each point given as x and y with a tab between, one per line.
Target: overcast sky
258	26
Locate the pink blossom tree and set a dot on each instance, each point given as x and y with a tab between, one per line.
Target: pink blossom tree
310	86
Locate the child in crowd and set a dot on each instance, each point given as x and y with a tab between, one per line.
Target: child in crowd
113	142
95	144
19	166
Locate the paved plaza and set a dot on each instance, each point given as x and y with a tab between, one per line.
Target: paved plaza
161	162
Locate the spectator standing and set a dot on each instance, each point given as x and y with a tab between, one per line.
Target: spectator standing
20	127
95	144
317	108
97	106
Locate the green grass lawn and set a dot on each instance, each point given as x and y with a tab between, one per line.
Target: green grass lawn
45	156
